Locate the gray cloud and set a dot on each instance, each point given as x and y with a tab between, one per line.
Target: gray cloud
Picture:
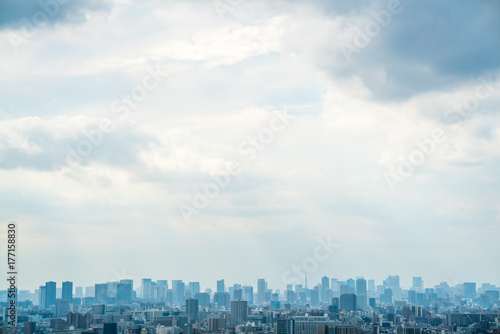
428	46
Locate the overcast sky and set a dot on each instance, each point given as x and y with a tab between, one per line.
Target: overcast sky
372	122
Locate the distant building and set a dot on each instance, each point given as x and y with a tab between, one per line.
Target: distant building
285	326
49	294
67	291
62	307
239	312
216	324
192	309
203	299
220	286
469	290
101	293
348	302
29	327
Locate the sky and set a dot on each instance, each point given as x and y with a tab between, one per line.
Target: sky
246	139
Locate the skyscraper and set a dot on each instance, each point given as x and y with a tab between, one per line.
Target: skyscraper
161	290
248	294
101	293
79	292
50	294
261	290
325	286
239	312
146	289
392	283
179	290
351	285
220	286
315	296
417	284
42	296
124	291
361	293
194	287
67	291
192	309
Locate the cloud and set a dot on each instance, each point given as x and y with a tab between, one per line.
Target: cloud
37	144
419	48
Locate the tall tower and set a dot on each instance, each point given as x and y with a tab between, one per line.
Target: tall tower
67	291
261	290
50	294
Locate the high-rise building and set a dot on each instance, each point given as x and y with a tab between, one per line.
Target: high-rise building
67	291
112	291
348	302
239	312
192	309
160	293
101	293
290	297
315	296
222	299
351	286
392	283
216	324
412	297
387	297
203	299
248	294
238	294
361	293
325	286
50	294
90	291
285	326
79	292
469	290
220	286
418	284
146	289
62	307
124	292
261	290
179	290
372	290
41	296
194	287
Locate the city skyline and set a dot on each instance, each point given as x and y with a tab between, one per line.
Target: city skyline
217	287
247	138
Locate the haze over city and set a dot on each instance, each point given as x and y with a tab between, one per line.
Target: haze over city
189	140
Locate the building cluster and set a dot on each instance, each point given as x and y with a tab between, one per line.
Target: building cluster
353	306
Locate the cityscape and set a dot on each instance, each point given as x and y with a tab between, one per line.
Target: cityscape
250	166
331	306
